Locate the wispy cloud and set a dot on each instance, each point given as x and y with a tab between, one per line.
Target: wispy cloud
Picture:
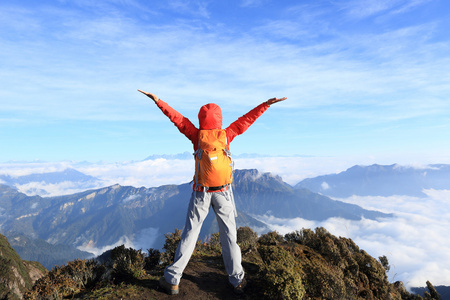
208	62
197	8
358	9
252	3
83	62
409	5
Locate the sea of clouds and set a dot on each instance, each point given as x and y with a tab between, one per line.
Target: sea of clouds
415	240
161	171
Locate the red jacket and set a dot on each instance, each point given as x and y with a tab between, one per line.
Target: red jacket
210	117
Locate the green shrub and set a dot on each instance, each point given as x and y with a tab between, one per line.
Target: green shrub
433	294
279	275
152	259
66	281
214	243
211	246
246	238
271	239
321	240
128	261
384	262
170	246
354	272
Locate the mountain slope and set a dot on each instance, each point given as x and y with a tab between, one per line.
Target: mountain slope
380	180
45	253
258	194
98	218
16	275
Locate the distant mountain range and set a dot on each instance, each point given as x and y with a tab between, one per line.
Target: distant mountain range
380	180
188	155
99	218
49	177
183	156
36	181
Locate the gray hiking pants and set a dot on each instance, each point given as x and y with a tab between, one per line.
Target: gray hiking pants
223	205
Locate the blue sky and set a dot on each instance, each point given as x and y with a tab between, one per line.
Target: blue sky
363	78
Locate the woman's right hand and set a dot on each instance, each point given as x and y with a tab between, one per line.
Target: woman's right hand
275	100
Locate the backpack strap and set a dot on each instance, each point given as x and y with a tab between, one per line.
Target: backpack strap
198	154
228	154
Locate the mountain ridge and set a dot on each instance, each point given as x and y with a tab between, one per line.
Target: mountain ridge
68	174
380	180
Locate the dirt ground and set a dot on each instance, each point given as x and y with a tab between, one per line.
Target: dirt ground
202	279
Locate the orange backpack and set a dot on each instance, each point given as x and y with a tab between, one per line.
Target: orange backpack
213	164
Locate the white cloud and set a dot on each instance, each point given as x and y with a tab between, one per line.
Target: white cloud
252	3
369	8
325	186
144	239
157	172
16	169
196	8
55	189
149	173
131	198
89	247
409	5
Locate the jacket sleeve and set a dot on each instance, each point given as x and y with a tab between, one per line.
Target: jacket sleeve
243	123
183	124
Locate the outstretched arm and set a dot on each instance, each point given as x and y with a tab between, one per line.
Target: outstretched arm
150	95
243	123
182	123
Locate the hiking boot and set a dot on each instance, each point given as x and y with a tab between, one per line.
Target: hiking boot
240	288
170	289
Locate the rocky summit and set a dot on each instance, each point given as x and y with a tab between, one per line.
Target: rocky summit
304	264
